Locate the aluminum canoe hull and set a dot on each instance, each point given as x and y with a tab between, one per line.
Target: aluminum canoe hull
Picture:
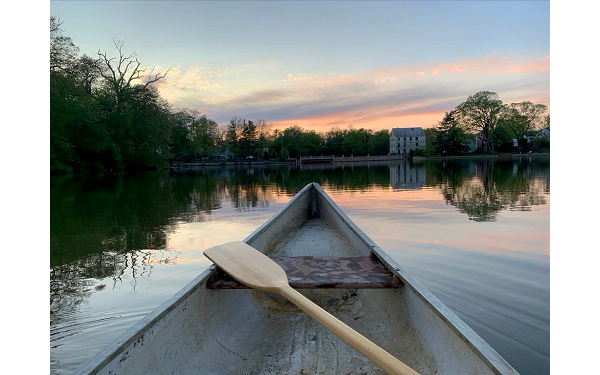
241	331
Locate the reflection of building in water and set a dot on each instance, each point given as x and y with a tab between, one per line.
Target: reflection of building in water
406	175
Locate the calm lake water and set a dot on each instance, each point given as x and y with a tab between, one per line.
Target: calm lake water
474	232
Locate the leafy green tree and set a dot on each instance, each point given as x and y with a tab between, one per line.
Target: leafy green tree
150	130
62	57
276	144
63	52
521	118
503	139
78	140
291	138
298	142
285	154
449	137
312	143
233	136
355	141
249	139
333	141
430	145
379	142
204	134
480	113
180	146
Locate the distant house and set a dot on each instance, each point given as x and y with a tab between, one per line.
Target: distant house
543	134
531	136
404	140
476	142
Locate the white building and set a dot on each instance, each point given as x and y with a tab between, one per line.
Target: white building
403	140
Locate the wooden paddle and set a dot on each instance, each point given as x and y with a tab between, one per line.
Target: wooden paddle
254	269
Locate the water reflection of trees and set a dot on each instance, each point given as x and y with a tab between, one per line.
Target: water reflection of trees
362	176
105	227
483	188
72	283
123	213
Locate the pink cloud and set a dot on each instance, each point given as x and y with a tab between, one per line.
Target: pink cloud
392	96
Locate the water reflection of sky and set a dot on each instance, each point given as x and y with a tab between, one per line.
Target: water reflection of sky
422	218
224	225
418	219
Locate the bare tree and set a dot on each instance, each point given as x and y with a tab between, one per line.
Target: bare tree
263	128
120	73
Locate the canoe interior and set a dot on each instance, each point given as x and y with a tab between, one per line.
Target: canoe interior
242	331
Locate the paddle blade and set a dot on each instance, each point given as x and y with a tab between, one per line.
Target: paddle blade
248	265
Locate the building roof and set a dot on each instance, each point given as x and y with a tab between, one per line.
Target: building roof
408	132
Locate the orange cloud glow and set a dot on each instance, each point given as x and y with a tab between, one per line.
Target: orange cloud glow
376	122
381	98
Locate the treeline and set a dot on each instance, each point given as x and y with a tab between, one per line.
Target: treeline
106	114
484	118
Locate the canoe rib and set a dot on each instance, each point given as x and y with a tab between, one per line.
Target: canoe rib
308	272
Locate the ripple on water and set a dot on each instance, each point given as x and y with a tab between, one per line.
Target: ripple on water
111	307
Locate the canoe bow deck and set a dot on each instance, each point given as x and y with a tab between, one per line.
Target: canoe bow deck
217	326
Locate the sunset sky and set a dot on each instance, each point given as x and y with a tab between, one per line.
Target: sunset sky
374	65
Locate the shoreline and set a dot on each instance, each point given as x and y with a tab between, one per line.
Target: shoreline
349	159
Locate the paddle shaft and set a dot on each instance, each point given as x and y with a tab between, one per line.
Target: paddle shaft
380	357
256	270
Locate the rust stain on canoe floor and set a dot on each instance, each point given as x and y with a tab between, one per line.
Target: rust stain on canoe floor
308	272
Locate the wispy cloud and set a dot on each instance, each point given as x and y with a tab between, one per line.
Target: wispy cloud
371	98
